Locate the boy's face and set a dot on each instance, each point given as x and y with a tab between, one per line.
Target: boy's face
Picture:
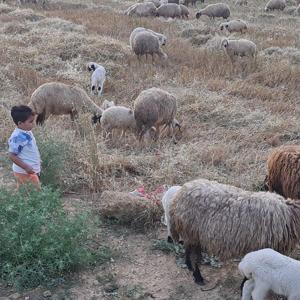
27	125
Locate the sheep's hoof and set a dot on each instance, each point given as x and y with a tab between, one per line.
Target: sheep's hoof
199	282
170	240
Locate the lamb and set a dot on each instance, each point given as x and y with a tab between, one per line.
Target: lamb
184	11
275	4
162	39
169	10
229	222
267	270
145	43
146	9
241	47
234	26
167	200
55	98
97	80
118	117
218	10
154	107
283	166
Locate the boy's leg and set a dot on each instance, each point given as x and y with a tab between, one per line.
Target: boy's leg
27	178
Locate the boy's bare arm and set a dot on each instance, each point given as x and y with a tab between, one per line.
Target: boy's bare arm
20	163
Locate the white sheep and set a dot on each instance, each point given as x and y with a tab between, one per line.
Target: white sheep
97	80
145	43
167	200
146	9
234	26
161	38
217	10
119	118
239	48
169	10
267	270
275	4
55	98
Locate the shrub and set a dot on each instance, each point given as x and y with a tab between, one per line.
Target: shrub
39	241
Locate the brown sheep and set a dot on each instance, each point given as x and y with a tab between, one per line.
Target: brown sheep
284	171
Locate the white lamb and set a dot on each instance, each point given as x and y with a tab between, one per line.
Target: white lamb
98	78
267	270
167	200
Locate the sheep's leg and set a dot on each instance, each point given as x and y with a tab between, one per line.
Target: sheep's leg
247	289
188	252
260	290
40	119
196	273
152	54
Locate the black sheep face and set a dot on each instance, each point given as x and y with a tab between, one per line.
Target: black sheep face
96	119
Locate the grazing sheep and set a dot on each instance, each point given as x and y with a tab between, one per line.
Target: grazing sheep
146	9
184	11
55	98
229	222
241	2
169	10
167	200
267	270
97	80
161	38
118	117
283	166
145	43
234	26
241	47
154	107
157	3
107	104
275	4
218	10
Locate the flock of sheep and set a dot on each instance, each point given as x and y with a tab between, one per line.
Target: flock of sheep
205	215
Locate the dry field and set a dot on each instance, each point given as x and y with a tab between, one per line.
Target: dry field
231	120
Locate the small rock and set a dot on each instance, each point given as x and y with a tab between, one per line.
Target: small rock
47	294
15	296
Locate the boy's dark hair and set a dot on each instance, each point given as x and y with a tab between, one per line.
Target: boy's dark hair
21	113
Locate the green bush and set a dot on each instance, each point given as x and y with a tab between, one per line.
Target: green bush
39	241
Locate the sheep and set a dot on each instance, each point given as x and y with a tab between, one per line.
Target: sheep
241	2
283	166
241	47
157	3
107	104
145	43
97	80
229	222
275	4
55	98
234	26
267	270
166	203
169	10
184	11
118	117
218	10
154	107
162	39
146	9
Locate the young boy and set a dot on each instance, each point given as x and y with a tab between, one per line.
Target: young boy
23	150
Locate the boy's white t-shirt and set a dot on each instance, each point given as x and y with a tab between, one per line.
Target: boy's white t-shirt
23	144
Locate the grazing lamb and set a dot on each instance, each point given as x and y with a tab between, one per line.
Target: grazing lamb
97	80
118	117
267	270
275	4
145	43
154	107
234	26
284	171
218	10
146	9
162	39
184	11
55	98
169	10
167	200
241	47
229	222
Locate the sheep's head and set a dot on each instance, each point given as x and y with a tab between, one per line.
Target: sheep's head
96	118
162	40
225	43
267	8
198	14
91	67
221	26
